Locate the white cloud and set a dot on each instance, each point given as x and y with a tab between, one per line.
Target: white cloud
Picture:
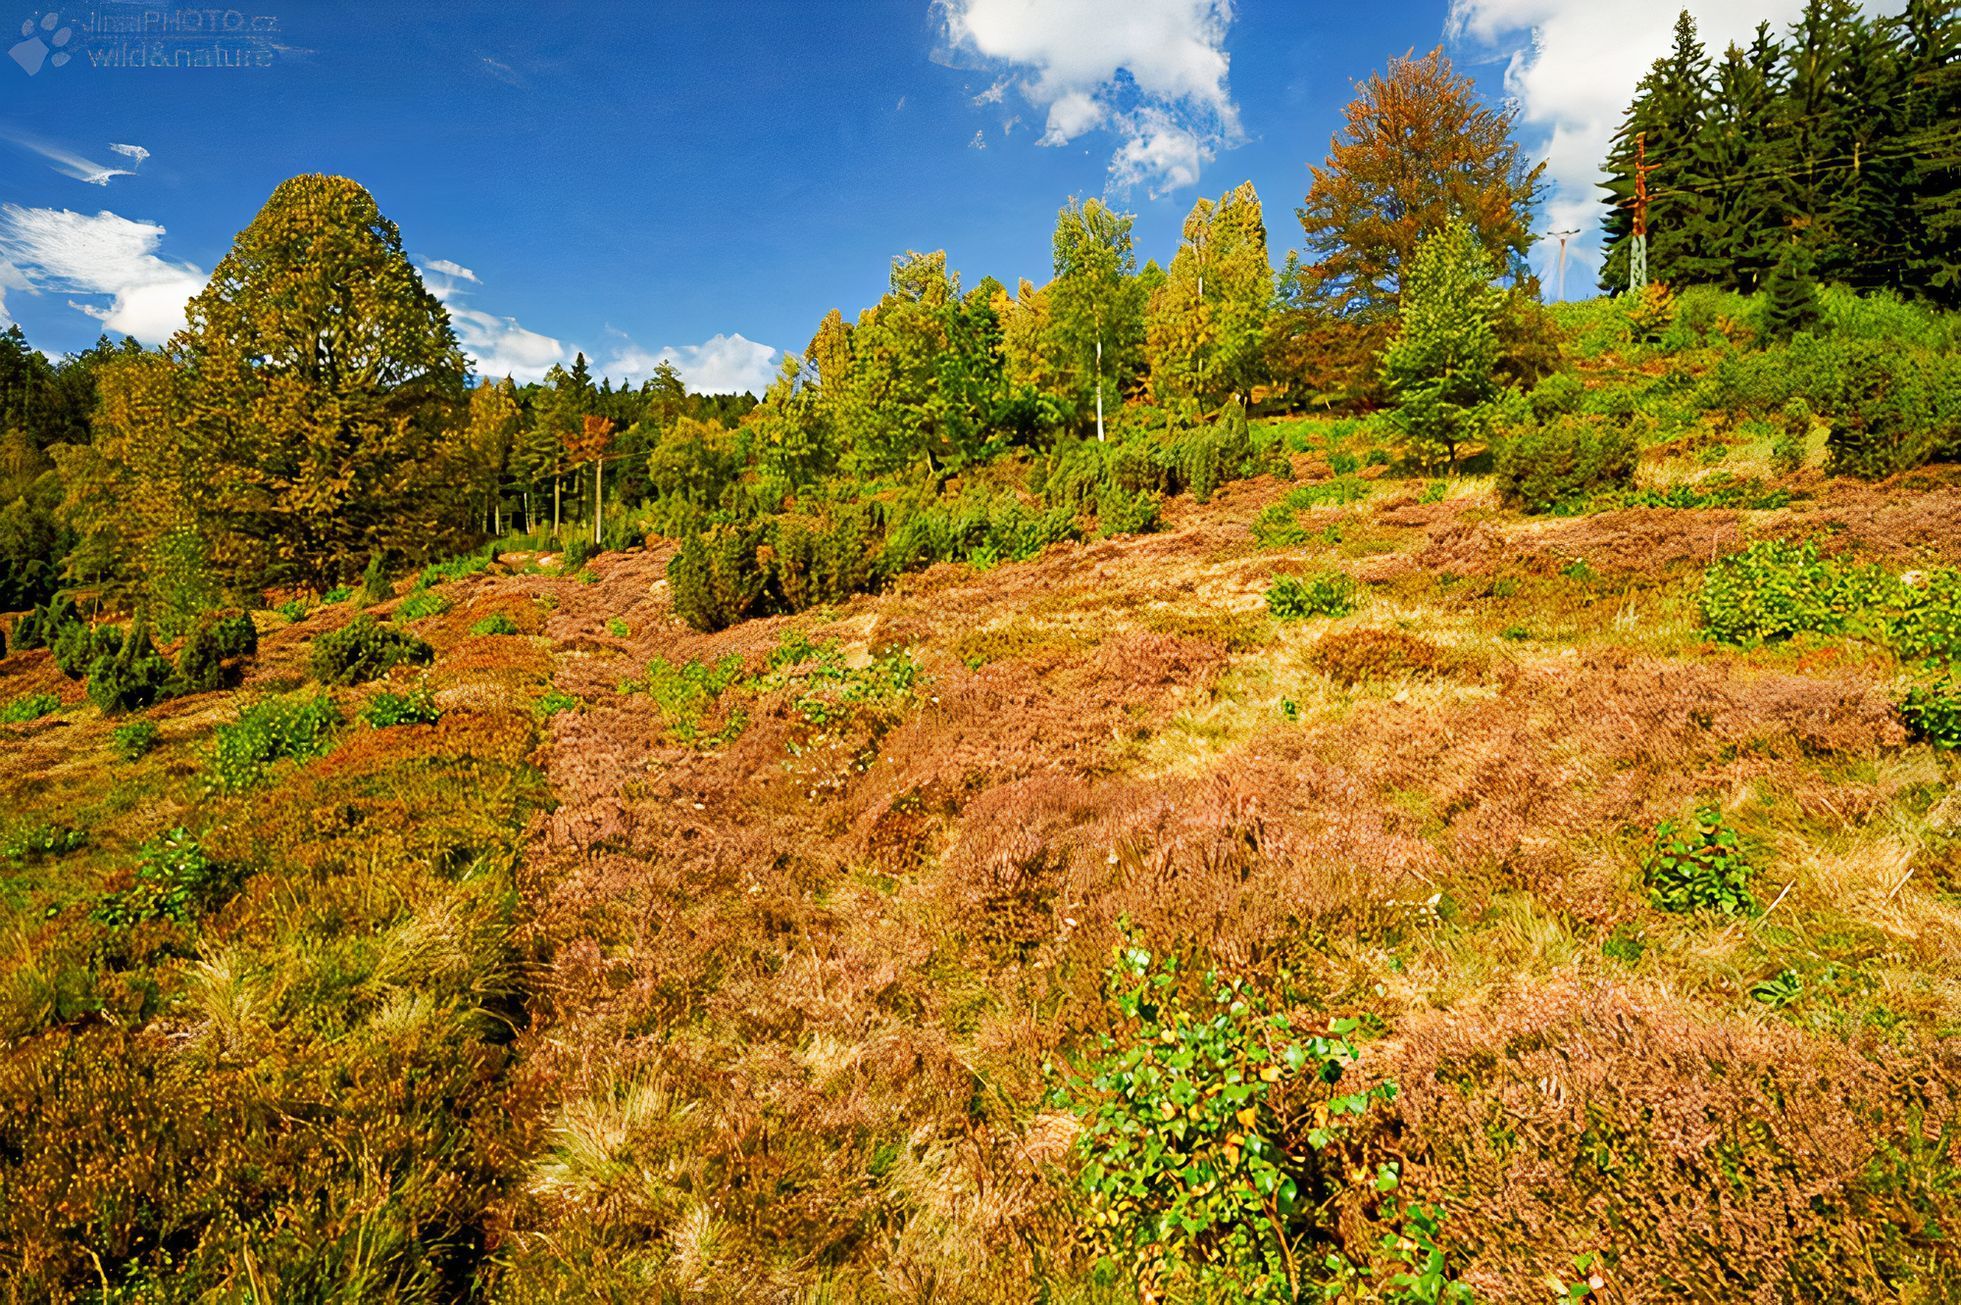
1149	70
1573	68
1160	155
723	364
104	255
498	345
70	164
454	271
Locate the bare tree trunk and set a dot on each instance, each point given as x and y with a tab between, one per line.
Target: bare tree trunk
598	501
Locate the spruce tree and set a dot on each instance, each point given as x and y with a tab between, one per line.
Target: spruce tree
1790	296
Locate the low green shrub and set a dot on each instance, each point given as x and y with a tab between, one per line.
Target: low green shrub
363	650
39	627
293	609
416	707
376	587
1338	492
1700	867
1277	526
134	739
77	646
617	627
456	568
1196	1179
1328	593
1121	511
715	579
577	553
29	707
272	730
495	623
421	604
136	676
1776	588
26	841
338	594
1564	462
554	701
174	880
1932	713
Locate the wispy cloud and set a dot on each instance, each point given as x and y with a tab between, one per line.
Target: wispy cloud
70	164
498	345
1153	72
103	256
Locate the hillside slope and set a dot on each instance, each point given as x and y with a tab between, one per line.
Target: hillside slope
757	1003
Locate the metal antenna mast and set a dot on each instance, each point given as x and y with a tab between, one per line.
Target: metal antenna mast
1637	257
1562	237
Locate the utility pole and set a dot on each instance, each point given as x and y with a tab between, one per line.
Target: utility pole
1562	237
1637	257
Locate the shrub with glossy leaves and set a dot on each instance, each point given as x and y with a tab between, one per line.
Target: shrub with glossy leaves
135	738
1932	713
1701	866
1776	588
174	880
1190	1184
363	649
416	707
28	707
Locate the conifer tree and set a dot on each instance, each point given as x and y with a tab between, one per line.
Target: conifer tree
1441	366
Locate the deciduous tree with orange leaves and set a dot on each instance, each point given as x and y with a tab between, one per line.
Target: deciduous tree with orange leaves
1419	149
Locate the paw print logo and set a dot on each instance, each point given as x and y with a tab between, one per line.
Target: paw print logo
42	44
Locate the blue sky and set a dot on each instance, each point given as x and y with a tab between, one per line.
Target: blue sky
704	181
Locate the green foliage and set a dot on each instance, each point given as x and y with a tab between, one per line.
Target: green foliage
338	594
77	646
715	579
1120	511
180	583
1700	867
1792	442
578	552
1442	364
271	730
376	586
28	707
617	627
135	739
363	649
24	842
1775	589
1328	593
136	676
495	623
456	568
420	604
174	880
1790	296
40	627
1185	1157
1563	462
212	640
416	707
554	701
1558	395
1932	713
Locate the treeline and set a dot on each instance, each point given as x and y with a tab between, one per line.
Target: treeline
1838	144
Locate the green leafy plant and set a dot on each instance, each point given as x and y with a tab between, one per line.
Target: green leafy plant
1329	593
293	609
174	879
617	627
1190	1179
1700	866
338	594
1442	364
1563	463
1779	990
416	707
134	677
1777	588
554	701
495	623
29	707
27	841
376	587
420	604
1932	713
364	649
272	730
135	739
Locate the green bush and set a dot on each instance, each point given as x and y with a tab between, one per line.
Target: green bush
135	739
40	627
1701	867
818	560
1196	1181
26	841
1924	620
456	568
1125	512
293	609
1904	410
1557	396
136	676
1788	450
577	553
715	579
363	649
416	707
1330	593
376	587
1278	526
77	646
617	627
174	880
29	707
1932	713
495	623
419	604
1777	588
553	701
272	730
1564	463
338	594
